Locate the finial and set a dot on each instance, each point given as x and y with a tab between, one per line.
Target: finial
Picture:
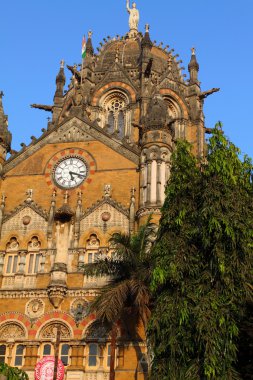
90	33
193	51
107	190
62	63
147	28
1	94
133	190
29	195
54	193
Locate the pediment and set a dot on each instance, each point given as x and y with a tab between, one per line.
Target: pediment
115	74
117	215
26	217
73	130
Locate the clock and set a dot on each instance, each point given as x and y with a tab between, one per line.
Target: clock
70	172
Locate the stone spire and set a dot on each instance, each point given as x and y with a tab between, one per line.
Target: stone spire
5	135
60	82
146	41
193	67
89	47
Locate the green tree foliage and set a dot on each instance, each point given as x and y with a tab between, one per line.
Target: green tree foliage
126	297
203	263
12	373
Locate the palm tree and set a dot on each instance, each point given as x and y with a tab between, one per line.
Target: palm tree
127	291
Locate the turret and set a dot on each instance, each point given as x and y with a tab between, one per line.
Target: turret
60	83
193	68
146	41
59	93
146	62
155	157
89	47
5	135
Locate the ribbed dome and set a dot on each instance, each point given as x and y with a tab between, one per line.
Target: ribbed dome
128	52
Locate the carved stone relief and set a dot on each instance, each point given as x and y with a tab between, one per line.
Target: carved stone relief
16	222
12	331
50	331
79	309
96	219
35	308
12	245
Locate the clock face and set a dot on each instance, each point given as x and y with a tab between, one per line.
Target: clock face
70	172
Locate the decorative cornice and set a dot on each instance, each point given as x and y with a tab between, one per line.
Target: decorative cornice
148	210
42	293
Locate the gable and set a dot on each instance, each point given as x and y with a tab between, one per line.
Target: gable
94	219
73	130
17	220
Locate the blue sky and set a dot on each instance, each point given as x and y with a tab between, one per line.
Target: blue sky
36	35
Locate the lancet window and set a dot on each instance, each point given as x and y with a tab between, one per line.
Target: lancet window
12	257
115	114
34	256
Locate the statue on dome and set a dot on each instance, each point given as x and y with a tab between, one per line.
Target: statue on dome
134	16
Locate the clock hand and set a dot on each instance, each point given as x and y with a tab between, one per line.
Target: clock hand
79	175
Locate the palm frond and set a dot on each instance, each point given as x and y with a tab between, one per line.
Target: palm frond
110	302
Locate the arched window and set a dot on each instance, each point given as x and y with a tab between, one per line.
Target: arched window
114	113
111	122
33	259
93	355
12	258
92	248
47	349
19	356
65	354
121	124
2	353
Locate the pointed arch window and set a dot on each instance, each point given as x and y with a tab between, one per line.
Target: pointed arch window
12	258
33	257
115	108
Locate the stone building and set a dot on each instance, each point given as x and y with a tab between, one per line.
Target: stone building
100	167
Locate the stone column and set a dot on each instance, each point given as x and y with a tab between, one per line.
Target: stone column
21	264
149	163
101	356
158	183
11	352
31	355
142	184
1	263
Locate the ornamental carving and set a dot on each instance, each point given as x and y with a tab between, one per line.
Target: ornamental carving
35	308
93	242
50	331
12	331
12	245
79	309
97	331
34	244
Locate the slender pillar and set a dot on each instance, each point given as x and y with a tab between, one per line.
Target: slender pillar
149	165
158	183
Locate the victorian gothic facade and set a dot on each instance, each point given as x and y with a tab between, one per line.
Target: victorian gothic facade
100	167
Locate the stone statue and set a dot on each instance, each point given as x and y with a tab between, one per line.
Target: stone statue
134	16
